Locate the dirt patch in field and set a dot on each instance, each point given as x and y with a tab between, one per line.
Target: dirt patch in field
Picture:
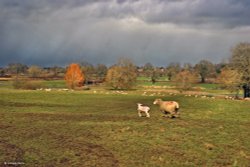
75	117
61	149
10	153
79	151
20	104
54	144
90	154
173	156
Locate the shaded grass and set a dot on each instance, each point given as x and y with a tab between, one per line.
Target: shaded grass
83	129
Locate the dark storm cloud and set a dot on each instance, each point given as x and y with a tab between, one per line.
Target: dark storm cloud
226	13
191	12
49	32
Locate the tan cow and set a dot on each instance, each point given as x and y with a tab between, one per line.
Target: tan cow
169	108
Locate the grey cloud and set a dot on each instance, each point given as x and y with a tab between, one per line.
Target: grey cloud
222	13
226	13
48	32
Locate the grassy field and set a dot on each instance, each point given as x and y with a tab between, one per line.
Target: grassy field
83	128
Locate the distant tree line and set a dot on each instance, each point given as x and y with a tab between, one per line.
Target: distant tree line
206	71
232	75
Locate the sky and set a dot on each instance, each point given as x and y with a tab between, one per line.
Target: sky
59	32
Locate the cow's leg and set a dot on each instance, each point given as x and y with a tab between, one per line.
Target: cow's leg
166	114
174	114
177	114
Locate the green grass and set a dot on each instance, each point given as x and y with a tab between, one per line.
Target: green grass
208	86
55	84
83	129
45	83
141	78
149	83
145	81
6	84
141	81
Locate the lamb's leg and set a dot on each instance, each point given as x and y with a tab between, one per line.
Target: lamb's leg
139	113
147	114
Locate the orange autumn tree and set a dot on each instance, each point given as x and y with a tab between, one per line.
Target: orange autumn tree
74	76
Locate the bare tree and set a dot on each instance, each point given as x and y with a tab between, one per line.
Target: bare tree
101	71
148	69
240	61
17	68
230	79
34	71
185	79
172	70
89	71
205	68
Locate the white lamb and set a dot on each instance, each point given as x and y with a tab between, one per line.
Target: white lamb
143	109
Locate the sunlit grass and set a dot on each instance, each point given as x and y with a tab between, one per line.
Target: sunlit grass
84	129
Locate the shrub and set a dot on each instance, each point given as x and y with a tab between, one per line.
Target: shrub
122	75
185	80
27	84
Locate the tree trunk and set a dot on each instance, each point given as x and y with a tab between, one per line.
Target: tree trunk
203	80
